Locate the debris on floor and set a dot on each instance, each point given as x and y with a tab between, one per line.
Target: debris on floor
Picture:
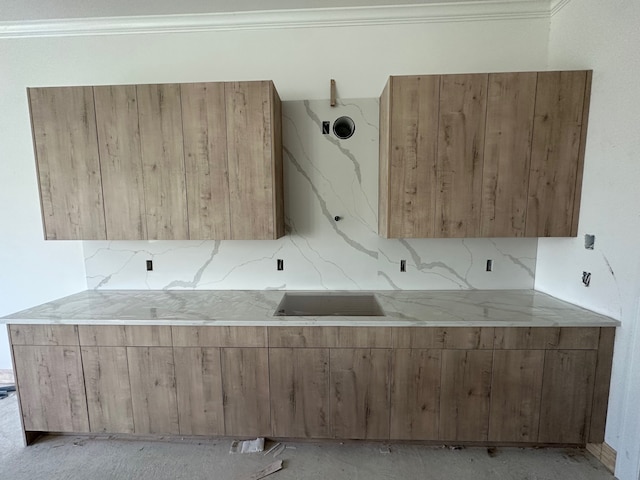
247	446
268	470
272	448
492	452
278	451
385	449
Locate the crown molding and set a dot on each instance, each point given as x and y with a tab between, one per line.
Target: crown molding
557	5
278	19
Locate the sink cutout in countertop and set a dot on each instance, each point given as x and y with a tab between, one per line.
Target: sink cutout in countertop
322	304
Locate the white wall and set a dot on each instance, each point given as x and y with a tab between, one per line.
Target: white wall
604	36
300	61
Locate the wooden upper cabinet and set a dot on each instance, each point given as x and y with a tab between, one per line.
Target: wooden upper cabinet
557	153
160	162
497	155
507	153
160	118
254	156
121	162
204	124
409	137
461	130
64	132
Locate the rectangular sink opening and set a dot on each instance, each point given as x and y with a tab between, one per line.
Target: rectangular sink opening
329	304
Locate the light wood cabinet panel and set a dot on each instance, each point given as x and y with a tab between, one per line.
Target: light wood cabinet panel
125	335
601	387
102	335
121	162
219	336
205	155
299	386
461	131
555	152
547	338
106	381
507	153
359	398
51	388
252	165
66	146
161	140
516	390
568	381
245	386
331	337
467	338
199	391
412	127
46	335
465	395
415	394
153	389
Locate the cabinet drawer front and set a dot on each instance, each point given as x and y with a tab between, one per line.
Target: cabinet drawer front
330	337
219	336
125	336
547	338
442	337
44	334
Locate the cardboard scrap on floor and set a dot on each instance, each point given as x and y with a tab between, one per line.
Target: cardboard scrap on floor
247	446
268	470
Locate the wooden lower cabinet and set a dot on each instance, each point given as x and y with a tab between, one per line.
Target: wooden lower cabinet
415	394
299	386
488	386
153	390
360	404
465	395
106	379
516	390
568	381
245	386
51	388
199	391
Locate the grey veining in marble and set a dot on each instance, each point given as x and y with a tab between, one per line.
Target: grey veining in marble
324	177
230	307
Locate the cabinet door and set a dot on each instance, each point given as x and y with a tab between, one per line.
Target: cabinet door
205	151
253	174
199	389
464	399
507	153
516	389
556	167
359	397
106	377
153	389
461	125
415	394
411	124
299	386
245	387
66	144
567	395
160	118
121	162
50	382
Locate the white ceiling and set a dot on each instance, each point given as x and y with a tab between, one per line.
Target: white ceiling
39	10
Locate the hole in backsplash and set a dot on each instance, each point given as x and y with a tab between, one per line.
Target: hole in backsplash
589	241
403	265
280	264
489	265
149	265
344	127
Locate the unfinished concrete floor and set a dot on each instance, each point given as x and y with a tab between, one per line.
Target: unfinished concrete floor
72	457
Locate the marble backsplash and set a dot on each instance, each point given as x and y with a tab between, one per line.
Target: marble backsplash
324	177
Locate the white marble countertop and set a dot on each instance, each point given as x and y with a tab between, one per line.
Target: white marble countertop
256	307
